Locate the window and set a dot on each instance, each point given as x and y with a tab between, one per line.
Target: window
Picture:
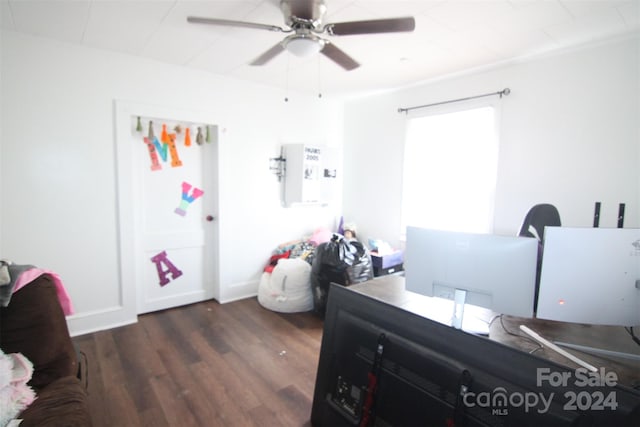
451	163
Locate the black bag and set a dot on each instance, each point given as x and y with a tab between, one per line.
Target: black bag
340	261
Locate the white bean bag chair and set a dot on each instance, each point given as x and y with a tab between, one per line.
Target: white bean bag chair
288	288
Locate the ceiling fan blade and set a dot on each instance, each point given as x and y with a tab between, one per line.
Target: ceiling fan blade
339	57
229	23
268	55
302	9
392	25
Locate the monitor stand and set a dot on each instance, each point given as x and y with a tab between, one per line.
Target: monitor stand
459	297
469	324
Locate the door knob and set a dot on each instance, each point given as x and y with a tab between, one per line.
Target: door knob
210	218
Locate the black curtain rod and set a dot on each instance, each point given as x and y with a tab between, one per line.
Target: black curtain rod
503	92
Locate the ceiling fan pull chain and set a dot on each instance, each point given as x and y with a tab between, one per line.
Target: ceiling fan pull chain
286	83
319	79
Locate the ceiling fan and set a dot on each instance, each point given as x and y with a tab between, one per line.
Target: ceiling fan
304	19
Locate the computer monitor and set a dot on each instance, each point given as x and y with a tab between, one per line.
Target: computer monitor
491	271
382	365
591	275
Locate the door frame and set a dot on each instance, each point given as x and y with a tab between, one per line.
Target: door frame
127	194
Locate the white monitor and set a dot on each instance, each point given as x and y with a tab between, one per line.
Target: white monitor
495	272
591	275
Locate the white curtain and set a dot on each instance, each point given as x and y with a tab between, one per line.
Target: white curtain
451	163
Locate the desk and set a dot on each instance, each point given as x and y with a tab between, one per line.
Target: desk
391	290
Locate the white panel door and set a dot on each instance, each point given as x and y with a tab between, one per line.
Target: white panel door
175	210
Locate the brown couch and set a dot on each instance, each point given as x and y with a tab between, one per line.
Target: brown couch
33	324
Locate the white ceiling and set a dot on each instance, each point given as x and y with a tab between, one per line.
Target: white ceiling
450	36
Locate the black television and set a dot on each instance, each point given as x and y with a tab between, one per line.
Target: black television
384	366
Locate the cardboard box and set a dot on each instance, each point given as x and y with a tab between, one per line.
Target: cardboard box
387	260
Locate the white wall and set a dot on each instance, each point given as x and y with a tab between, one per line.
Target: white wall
570	136
58	170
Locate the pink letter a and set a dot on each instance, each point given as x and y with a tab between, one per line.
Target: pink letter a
160	259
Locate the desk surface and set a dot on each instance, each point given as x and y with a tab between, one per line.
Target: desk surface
391	289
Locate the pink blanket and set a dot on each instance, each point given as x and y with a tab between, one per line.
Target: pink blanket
32	274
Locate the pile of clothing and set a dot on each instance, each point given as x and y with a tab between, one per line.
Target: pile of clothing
299	273
15	394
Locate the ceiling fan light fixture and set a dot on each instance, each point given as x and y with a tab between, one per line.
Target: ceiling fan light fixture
305	19
303	45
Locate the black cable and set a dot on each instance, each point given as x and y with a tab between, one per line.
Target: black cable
493	319
633	336
538	345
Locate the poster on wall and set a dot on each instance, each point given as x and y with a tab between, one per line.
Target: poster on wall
311	174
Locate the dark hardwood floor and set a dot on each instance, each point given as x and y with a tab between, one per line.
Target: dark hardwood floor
205	364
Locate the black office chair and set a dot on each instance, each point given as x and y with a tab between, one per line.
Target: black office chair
538	217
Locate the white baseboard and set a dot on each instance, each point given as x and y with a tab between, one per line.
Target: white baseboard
113	317
99	320
238	291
